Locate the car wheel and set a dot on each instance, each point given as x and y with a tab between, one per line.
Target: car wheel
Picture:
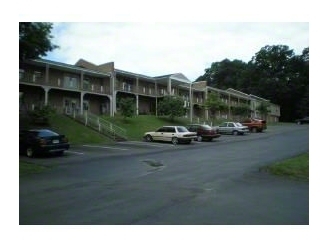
235	133
199	138
29	152
149	138
175	140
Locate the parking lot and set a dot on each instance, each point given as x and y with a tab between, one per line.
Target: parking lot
78	153
136	182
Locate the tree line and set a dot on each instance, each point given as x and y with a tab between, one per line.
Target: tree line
274	73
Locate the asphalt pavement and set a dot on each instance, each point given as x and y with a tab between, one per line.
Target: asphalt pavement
138	183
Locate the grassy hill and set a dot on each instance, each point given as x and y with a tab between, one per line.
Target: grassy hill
76	132
135	127
138	125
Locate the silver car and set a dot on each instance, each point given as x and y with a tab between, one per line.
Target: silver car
234	128
174	134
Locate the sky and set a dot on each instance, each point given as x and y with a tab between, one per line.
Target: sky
160	48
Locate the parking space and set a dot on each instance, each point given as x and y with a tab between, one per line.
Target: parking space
79	153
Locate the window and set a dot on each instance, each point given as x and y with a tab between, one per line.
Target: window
36	76
70	82
86	84
171	129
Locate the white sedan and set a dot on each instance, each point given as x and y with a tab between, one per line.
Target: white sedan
174	134
234	128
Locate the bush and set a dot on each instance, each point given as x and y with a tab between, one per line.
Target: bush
41	116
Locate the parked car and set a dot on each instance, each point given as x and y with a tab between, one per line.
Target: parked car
304	120
204	132
255	125
174	134
234	128
42	141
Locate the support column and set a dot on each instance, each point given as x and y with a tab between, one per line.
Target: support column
191	102
206	110
156	93
137	104
47	74
81	102
46	90
169	86
229	107
112	80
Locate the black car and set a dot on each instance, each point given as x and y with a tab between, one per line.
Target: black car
42	141
204	132
304	120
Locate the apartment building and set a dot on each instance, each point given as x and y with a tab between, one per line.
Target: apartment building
86	87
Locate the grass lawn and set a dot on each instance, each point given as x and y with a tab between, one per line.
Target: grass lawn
138	125
296	168
30	168
76	132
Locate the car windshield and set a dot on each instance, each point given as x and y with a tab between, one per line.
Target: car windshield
238	124
182	129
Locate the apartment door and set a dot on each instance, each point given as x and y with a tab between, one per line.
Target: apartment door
70	106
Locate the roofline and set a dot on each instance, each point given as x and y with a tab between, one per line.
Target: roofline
68	66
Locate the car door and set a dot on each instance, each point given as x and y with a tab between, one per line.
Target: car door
158	135
169	133
223	128
230	127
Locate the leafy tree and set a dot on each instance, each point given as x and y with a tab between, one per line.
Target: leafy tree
225	74
214	104
263	109
35	39
127	107
172	107
241	110
274	73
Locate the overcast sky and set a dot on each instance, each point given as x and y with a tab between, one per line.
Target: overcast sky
159	48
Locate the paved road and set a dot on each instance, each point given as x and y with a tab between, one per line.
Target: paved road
140	183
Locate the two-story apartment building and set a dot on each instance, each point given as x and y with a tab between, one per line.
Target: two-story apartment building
86	87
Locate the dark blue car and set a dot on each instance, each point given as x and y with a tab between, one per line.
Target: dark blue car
42	141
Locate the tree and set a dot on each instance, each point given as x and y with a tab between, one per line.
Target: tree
225	74
213	104
35	39
241	110
172	107
127	107
263	109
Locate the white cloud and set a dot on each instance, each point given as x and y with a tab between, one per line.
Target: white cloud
155	49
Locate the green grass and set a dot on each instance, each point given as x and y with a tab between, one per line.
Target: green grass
296	168
26	168
138	125
76	132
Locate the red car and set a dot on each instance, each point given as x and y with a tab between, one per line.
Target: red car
204	132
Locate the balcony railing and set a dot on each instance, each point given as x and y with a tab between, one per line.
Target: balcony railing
57	82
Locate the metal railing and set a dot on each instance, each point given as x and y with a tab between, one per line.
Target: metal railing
105	127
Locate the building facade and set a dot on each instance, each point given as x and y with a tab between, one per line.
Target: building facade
86	87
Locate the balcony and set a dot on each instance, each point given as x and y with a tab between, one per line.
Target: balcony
57	81
37	78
